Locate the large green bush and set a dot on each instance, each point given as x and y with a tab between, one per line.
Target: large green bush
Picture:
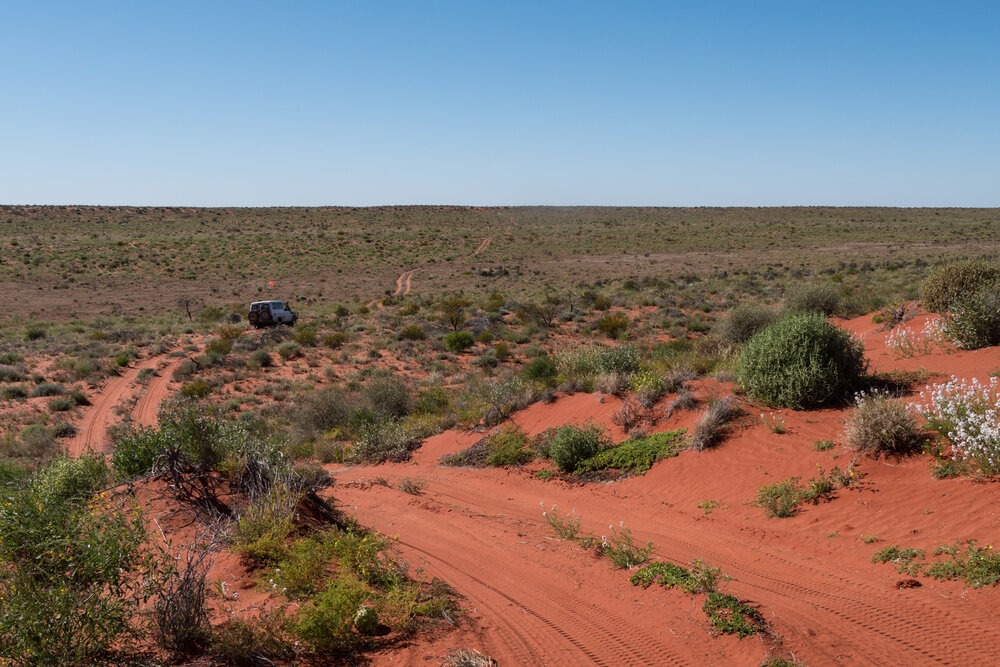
952	282
802	361
457	341
822	298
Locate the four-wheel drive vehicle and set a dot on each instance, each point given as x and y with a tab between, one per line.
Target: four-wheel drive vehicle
271	313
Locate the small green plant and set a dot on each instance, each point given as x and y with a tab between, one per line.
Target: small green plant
667	575
730	615
622	550
781	499
414	487
708	506
977	566
566	527
822	445
774	422
870	539
903	557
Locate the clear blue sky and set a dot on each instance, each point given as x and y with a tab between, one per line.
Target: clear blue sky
699	102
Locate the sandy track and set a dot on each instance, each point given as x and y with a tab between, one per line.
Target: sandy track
544	601
147	408
403	283
483	246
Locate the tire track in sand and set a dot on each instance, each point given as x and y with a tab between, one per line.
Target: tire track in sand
146	411
92	432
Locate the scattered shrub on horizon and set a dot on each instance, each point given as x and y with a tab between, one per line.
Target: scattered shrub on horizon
801	362
948	283
882	426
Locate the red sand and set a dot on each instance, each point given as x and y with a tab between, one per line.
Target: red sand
534	599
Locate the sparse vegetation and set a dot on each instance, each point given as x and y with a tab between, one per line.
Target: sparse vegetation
882	425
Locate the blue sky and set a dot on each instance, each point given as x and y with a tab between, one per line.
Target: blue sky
217	103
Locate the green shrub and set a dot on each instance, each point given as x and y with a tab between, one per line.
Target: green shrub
819	298
613	325
508	447
623	360
74	578
388	395
320	411
541	369
412	332
334	340
949	283
742	322
48	389
36	442
883	426
326	623
260	359
265	525
571	445
729	615
34	332
622	550
13	392
289	350
974	319
306	336
802	361
380	441
62	404
635	456
458	341
196	389
10	374
667	575
978	566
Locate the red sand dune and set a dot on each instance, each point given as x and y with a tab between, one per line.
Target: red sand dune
534	599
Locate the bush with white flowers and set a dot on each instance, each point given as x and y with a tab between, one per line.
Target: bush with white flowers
966	413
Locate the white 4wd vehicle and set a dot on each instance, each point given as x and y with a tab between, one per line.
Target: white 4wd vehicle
271	313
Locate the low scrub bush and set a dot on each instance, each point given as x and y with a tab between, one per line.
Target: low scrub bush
714	423
47	389
326	623
823	298
412	332
382	440
963	413
635	456
742	322
613	325
781	499
973	320
195	389
949	283
289	350
883	426
622	360
571	445
977	566
458	341
13	392
73	582
247	642
802	361
388	395
541	369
